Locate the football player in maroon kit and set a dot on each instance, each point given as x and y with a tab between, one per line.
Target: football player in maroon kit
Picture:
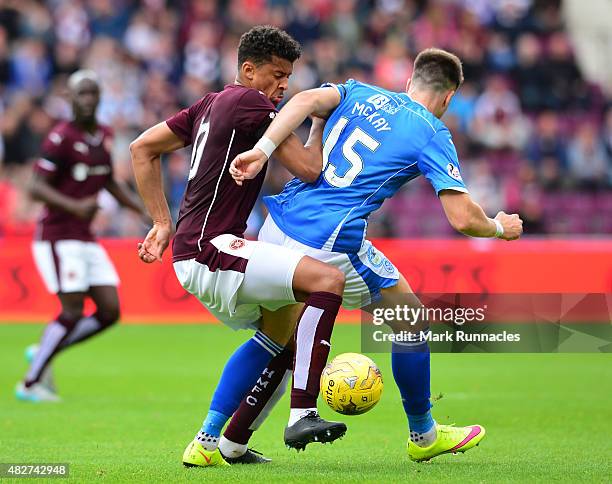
75	165
238	280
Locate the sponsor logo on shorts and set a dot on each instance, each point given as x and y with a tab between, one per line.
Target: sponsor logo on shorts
237	244
374	257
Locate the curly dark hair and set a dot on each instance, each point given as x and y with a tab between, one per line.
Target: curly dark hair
259	44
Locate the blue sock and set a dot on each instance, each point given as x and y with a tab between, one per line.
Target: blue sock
214	422
411	372
239	375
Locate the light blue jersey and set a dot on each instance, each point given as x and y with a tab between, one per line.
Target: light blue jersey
375	141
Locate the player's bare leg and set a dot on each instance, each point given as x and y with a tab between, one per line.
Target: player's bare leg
106	299
280	325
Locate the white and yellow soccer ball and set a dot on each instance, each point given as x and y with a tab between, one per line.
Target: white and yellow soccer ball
351	384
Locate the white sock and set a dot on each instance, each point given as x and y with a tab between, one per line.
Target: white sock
424	439
231	449
297	413
84	327
208	441
54	332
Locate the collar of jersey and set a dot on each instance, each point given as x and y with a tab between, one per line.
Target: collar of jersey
414	101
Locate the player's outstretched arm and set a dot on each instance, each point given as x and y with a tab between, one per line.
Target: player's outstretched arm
318	102
146	151
467	217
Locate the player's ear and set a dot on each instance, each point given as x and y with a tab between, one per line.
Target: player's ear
448	97
408	83
247	70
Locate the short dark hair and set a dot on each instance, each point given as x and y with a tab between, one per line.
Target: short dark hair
259	44
437	69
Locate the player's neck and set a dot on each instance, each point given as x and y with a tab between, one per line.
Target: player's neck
240	82
429	100
89	125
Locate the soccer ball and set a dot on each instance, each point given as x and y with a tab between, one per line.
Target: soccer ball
351	384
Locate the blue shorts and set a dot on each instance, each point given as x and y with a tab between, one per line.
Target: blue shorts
367	271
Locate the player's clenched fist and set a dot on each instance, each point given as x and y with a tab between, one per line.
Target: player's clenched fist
155	243
512	224
247	165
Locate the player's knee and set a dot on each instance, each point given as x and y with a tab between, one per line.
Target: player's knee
71	313
332	280
108	315
70	316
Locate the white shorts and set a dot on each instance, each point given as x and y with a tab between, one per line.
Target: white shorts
73	265
234	278
366	272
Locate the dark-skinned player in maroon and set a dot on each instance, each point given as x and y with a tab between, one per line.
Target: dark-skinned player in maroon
241	281
75	165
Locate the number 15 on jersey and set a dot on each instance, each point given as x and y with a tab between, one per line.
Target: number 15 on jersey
355	161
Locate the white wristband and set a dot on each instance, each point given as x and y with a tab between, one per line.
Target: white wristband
499	228
266	145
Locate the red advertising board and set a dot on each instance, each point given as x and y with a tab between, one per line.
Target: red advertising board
151	294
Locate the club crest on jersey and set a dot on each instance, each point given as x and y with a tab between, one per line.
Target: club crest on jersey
236	244
81	147
378	100
453	171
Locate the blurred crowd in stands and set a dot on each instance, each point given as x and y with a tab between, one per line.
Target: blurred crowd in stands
533	135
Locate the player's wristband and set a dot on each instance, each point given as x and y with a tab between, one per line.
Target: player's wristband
266	145
499	228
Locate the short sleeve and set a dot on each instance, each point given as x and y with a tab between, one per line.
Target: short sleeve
439	163
343	89
50	161
181	124
254	113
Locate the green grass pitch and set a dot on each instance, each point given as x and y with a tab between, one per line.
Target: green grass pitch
133	398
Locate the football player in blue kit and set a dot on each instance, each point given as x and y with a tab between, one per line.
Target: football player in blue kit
375	141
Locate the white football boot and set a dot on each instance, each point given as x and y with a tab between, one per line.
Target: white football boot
35	393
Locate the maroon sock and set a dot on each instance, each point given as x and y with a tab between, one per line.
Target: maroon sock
312	343
258	402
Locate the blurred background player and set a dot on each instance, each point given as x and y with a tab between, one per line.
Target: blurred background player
75	165
231	276
375	142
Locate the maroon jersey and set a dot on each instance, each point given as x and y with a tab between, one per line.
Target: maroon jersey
77	164
220	126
